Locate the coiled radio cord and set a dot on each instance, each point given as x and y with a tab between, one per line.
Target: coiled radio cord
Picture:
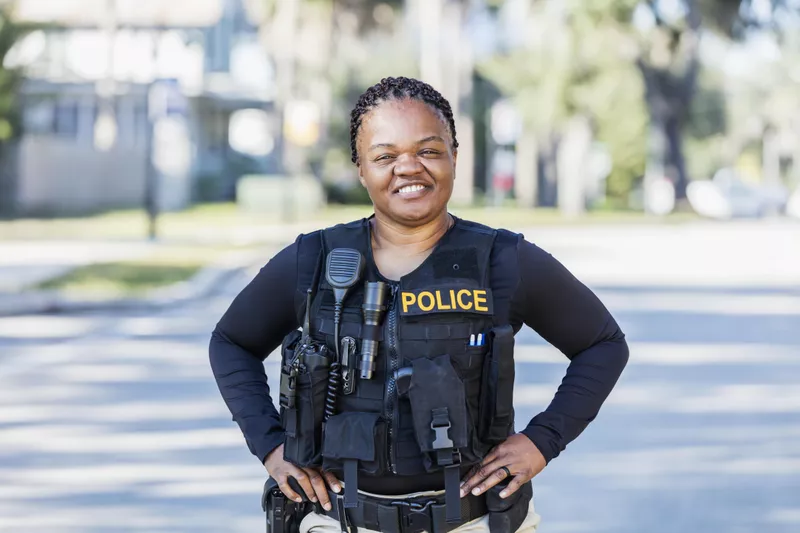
334	381
335	370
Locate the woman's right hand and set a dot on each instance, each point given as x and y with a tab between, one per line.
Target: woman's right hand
312	481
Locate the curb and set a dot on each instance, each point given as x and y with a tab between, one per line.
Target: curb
201	285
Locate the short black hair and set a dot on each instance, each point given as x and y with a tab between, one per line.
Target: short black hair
398	89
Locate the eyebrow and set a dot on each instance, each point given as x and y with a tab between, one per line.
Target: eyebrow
422	141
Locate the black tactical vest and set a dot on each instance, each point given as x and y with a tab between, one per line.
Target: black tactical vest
436	401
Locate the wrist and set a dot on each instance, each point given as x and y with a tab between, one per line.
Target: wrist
270	456
542	442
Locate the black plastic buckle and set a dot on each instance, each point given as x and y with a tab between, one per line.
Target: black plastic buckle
442	439
415	517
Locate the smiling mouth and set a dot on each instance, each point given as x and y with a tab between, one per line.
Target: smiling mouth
409	189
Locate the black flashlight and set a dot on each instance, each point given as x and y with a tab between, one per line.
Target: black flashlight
372	309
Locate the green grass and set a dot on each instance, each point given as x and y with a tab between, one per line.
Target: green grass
226	223
164	266
120	279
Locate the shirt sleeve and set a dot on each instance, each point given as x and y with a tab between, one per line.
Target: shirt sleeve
253	326
568	315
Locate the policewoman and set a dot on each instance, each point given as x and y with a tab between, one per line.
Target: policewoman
397	332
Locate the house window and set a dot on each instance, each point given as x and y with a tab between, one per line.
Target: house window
65	119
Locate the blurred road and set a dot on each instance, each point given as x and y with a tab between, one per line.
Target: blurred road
114	423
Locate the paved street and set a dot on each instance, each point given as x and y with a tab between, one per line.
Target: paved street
114	423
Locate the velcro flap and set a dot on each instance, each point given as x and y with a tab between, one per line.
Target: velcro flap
351	436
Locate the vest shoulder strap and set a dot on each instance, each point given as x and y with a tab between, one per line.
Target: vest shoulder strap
309	266
351	235
507	239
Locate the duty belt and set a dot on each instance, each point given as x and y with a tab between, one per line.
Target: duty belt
412	515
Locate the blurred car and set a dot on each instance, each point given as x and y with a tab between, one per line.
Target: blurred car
727	196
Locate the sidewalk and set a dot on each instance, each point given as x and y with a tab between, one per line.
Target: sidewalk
747	254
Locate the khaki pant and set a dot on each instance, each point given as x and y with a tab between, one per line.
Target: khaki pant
317	523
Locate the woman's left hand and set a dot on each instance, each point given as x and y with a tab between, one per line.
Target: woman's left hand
518	454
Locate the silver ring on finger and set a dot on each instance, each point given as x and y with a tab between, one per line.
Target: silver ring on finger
506	470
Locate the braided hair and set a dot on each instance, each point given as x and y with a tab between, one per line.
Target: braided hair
398	89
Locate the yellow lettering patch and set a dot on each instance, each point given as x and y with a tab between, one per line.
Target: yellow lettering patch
446	300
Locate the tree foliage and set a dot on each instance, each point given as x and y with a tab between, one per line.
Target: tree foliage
579	62
633	66
11	32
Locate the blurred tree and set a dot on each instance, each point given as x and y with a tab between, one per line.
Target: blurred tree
367	44
578	61
325	51
669	36
707	126
11	32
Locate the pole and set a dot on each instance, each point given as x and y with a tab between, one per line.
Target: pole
155	109
151	176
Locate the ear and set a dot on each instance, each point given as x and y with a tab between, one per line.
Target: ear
455	160
361	177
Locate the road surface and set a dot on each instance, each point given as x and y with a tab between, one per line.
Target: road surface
112	423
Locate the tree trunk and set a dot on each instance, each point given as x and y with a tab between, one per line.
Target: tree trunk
571	161
525	180
669	95
674	162
667	104
548	172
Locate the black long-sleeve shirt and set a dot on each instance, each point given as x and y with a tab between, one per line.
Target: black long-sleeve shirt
548	298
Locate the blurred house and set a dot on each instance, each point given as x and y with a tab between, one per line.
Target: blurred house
111	82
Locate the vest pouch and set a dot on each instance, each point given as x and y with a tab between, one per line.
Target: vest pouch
355	436
438	408
496	419
303	423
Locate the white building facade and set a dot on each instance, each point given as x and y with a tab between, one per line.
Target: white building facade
128	102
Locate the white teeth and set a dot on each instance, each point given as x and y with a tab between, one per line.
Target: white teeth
411	188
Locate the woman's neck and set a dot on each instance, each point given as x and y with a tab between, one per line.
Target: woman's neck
413	240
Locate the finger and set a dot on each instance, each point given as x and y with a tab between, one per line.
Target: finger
484	472
497	475
514	485
471	472
472	478
286	489
318	484
333	483
305	483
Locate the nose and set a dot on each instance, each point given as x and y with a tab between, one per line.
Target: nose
407	165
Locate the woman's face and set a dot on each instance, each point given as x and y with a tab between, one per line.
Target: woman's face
406	161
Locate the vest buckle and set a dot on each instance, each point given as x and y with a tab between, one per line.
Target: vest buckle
440	424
